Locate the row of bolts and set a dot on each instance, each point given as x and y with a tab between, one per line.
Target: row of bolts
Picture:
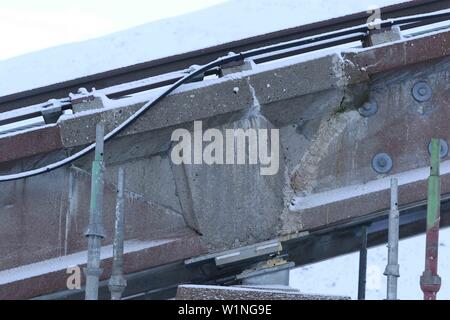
430	282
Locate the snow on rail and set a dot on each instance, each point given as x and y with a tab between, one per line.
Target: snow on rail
230	21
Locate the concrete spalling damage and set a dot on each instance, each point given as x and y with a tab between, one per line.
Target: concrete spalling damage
335	113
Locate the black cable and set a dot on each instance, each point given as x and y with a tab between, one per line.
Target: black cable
201	70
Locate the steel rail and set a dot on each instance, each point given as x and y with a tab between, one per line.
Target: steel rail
119	91
202	69
202	56
122	90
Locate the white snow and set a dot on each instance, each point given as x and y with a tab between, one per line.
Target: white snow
339	276
228	21
323	198
76	259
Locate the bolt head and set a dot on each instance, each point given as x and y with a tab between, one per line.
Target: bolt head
422	92
444	148
382	163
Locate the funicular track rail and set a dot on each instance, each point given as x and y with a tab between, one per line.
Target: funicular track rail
203	56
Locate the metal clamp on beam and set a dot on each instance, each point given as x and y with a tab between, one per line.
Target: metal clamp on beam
95	230
236	255
52	112
392	270
248	252
235	66
430	284
85	100
381	36
93	272
271	272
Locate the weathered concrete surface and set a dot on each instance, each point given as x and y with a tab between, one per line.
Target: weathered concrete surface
216	99
57	204
403	127
223	202
325	145
191	292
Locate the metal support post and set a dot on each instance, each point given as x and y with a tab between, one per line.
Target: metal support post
362	265
95	232
117	282
393	269
430	282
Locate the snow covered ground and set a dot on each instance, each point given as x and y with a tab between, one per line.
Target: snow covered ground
339	276
225	22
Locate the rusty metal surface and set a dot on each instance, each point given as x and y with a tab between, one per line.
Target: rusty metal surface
393	56
30	143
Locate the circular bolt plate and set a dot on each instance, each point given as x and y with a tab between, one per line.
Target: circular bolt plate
368	109
422	92
382	163
444	149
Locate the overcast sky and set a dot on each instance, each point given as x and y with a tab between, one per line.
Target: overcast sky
30	25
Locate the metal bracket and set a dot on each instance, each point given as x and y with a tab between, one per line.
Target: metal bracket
235	66
392	270
430	282
85	100
52	112
244	253
95	229
96	272
82	96
248	252
263	270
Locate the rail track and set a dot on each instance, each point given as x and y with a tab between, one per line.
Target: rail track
54	108
184	61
